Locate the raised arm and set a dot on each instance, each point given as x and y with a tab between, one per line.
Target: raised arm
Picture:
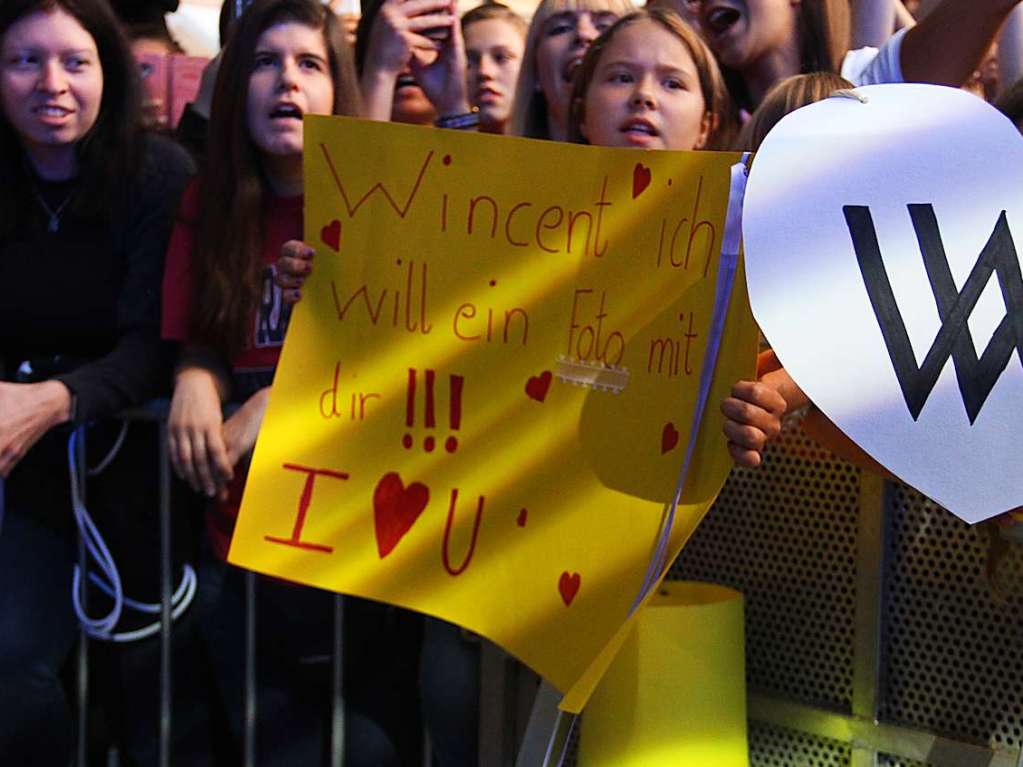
947	44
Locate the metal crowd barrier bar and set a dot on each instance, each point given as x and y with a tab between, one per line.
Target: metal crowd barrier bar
249	749
166	590
157	412
83	638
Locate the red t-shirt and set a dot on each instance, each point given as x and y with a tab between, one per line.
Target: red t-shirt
253	368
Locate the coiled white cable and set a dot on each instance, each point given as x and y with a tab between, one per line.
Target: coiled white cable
110	580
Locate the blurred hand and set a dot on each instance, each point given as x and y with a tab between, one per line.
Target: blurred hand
242	428
195	432
442	75
752	418
294	265
27	412
397	32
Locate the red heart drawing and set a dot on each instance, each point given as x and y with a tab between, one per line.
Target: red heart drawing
395	509
521	521
640	179
331	235
669	437
568	585
537	386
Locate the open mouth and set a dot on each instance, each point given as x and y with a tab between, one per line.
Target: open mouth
286	112
405	81
569	70
720	19
639	129
50	110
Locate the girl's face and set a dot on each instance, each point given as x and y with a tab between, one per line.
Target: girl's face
51	82
563	42
742	32
290	78
493	48
645	93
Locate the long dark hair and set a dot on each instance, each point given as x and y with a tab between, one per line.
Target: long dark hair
228	259
823	42
108	154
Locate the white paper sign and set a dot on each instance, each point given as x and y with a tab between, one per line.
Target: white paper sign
882	260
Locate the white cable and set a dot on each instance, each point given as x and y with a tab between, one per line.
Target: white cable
102	465
110	580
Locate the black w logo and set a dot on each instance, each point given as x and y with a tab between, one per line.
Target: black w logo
976	377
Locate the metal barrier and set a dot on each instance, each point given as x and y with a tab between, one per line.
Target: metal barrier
157	412
507	690
872	637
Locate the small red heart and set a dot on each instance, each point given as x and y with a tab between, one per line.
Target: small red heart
568	585
640	179
331	235
521	521
669	437
395	509
537	386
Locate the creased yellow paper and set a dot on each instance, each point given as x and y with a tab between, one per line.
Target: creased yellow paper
486	393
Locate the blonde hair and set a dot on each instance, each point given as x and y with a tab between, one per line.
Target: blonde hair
787	96
494	11
529	113
717	103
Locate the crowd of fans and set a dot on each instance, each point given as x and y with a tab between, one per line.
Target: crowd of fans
137	263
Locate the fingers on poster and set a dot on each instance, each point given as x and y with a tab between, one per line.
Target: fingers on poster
398	504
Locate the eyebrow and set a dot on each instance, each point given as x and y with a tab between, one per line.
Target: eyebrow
660	68
38	48
299	55
561	16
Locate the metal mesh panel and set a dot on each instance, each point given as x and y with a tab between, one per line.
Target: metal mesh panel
771	746
785	536
953	661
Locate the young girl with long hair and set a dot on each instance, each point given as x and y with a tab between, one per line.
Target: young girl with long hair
558	36
650	82
87	208
285	59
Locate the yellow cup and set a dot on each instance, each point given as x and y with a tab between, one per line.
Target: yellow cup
676	692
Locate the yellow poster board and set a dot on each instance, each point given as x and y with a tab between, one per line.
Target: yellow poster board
486	392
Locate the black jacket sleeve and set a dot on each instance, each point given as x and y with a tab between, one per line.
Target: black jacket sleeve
138	367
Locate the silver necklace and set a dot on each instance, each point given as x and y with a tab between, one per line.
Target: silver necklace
54	215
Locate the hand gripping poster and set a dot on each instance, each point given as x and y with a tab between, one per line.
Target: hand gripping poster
488	389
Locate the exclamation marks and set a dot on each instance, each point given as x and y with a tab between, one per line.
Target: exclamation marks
429	416
410	408
430	420
455	382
